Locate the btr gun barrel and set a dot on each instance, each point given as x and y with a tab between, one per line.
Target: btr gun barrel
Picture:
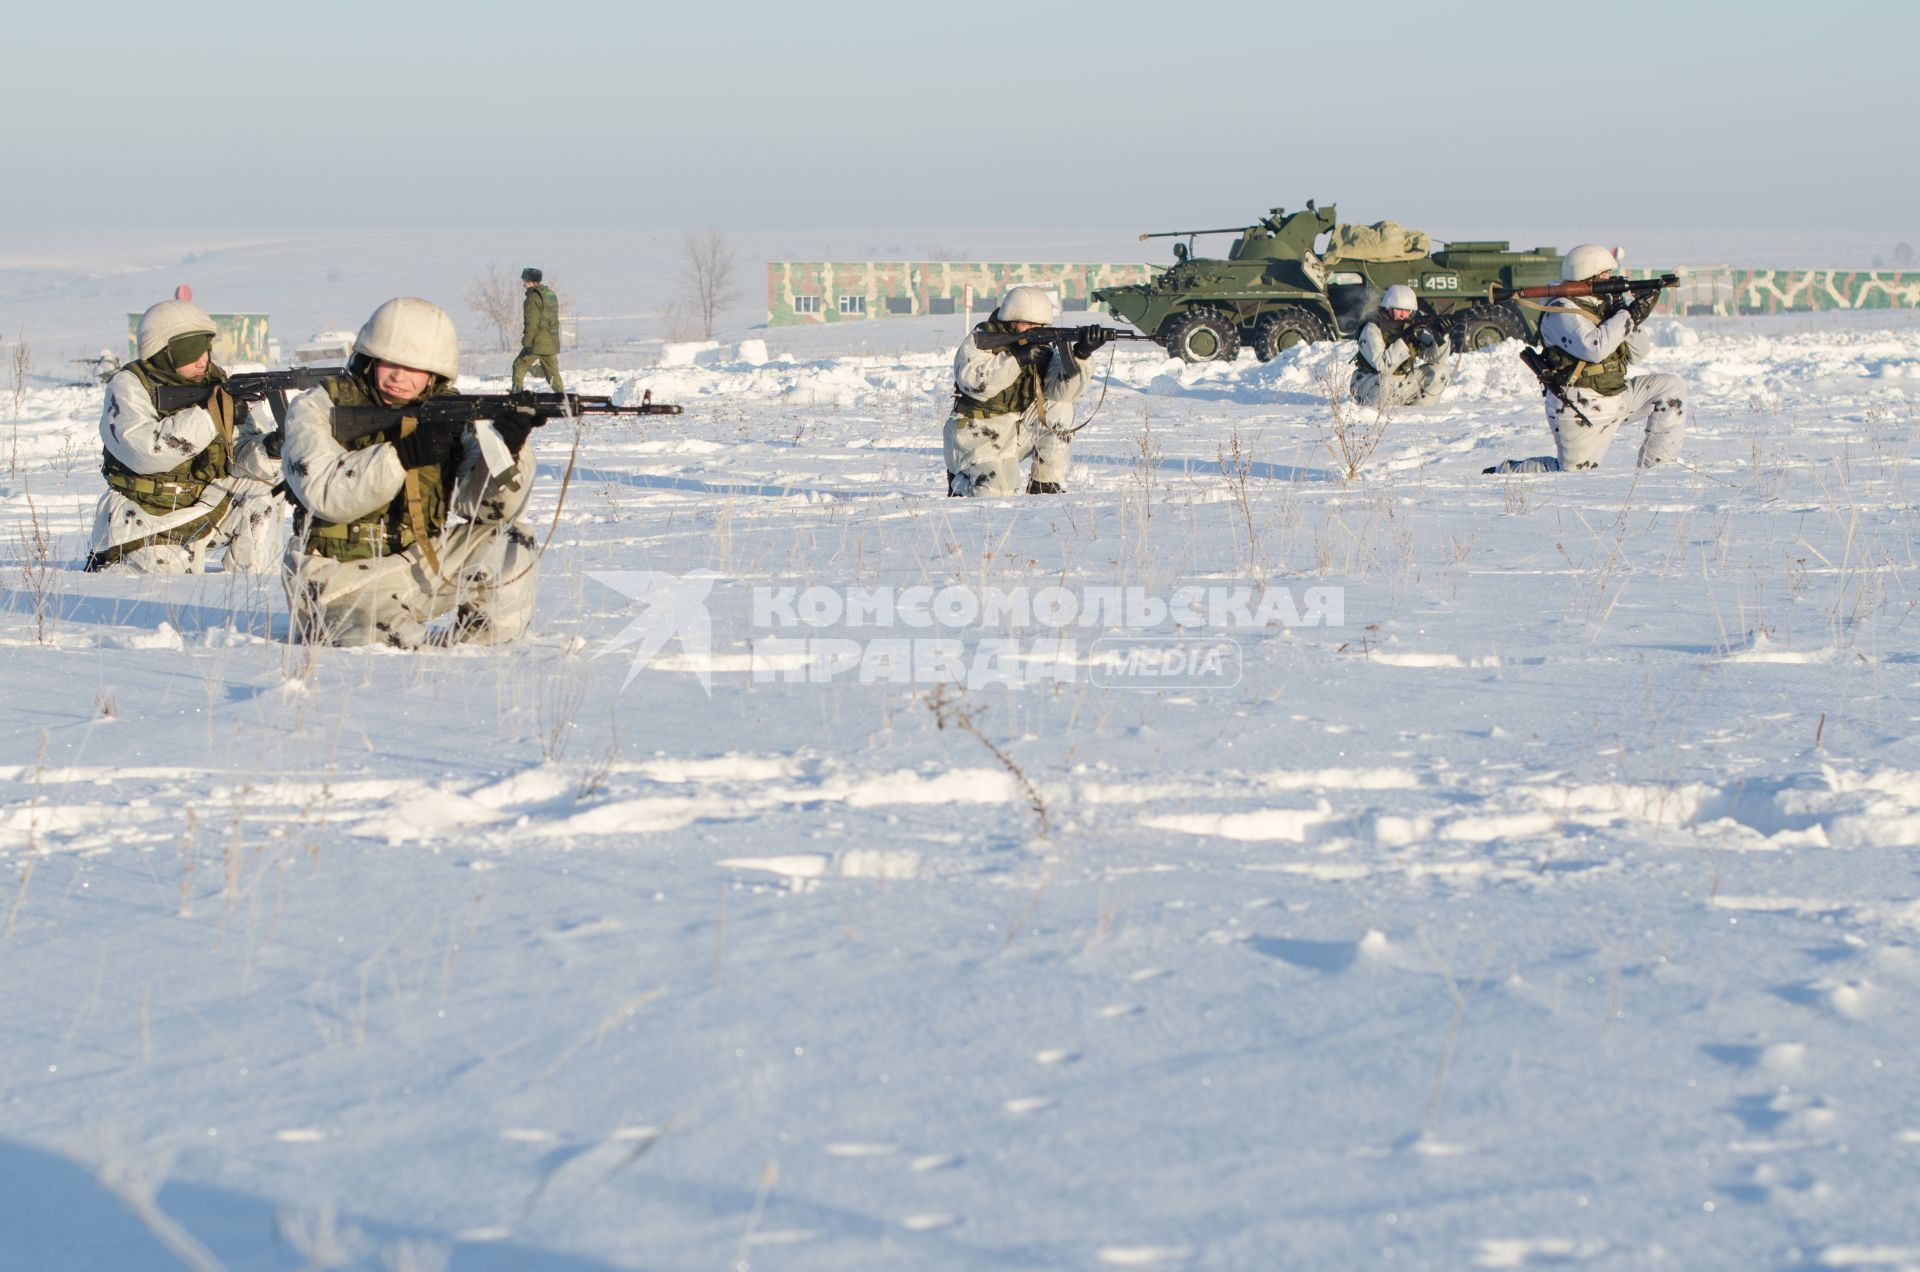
1231	229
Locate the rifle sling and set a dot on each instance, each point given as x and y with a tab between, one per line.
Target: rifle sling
416	514
220	407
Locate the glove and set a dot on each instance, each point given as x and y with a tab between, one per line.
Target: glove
1028	354
1090	342
272	442
423	448
1642	307
1426	337
1615	305
515	423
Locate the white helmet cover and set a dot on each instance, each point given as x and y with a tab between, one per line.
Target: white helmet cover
410	332
1589	260
1026	304
1399	296
166	321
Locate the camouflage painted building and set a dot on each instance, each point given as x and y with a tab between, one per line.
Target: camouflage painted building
849	291
1772	291
236	338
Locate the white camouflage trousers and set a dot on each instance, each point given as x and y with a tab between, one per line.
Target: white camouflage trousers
487	577
1422	386
984	455
1659	399
249	530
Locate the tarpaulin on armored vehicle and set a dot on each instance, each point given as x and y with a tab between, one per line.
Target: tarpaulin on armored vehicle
1381	241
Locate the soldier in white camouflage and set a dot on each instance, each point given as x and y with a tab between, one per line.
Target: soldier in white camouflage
182	483
1588	344
401	528
1397	364
1009	404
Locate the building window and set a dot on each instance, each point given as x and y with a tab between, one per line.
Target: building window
1073	305
899	304
940	305
853	305
806	304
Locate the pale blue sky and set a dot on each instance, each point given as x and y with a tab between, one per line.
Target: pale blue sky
582	113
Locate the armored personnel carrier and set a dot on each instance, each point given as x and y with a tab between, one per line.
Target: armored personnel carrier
1296	277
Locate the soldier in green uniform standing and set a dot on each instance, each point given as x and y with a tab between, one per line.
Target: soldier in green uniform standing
540	332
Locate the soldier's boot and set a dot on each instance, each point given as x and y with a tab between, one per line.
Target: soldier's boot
470	624
1045	488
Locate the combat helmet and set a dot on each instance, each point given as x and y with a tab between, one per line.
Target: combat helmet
410	332
1587	261
1026	304
167	322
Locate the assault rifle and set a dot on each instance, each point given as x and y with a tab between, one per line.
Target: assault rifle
1635	287
1064	337
1536	362
457	410
248	386
1441	325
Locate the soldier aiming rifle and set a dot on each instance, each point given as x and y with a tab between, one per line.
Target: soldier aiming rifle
410	493
398	528
1402	355
1589	334
184	474
1015	379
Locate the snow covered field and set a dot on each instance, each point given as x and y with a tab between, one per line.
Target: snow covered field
1556	905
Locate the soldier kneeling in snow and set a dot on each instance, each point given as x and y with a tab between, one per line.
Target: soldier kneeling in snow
1395	366
375	555
1587	344
181	483
1012	403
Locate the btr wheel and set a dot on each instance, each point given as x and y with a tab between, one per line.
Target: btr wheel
1484	326
1202	335
1286	327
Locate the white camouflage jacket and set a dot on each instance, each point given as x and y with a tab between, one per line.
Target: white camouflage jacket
983	373
133	431
1579	333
